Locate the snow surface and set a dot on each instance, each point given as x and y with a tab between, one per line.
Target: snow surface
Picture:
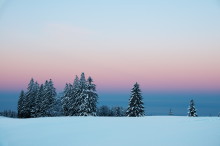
111	131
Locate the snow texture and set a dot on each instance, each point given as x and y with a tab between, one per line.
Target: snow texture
109	131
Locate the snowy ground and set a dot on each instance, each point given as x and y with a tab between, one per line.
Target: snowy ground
109	131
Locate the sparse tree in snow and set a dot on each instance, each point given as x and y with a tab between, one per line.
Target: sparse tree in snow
136	105
170	112
192	109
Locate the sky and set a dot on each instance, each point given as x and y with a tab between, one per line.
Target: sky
171	48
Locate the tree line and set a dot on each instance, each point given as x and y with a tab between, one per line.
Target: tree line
78	99
9	113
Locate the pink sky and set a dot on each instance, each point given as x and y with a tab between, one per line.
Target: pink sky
113	70
163	46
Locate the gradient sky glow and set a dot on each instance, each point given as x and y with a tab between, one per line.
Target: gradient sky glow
164	45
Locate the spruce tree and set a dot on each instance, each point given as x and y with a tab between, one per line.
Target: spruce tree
21	105
33	103
65	100
136	105
28	100
81	97
70	101
58	111
192	109
39	102
49	98
91	99
75	92
70	94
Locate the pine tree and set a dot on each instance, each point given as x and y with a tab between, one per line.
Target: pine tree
70	94
58	111
28	100
33	100
21	105
81	97
136	105
91	98
39	102
75	92
192	109
49	98
65	100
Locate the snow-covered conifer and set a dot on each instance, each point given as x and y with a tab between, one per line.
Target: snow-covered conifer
58	110
81	100
49	98
21	105
192	109
75	92
28	100
39	102
69	100
65	100
90	100
136	105
33	103
70	94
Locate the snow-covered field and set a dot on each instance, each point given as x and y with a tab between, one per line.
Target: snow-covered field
110	131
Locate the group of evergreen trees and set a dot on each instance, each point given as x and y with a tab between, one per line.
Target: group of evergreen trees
106	111
80	99
38	101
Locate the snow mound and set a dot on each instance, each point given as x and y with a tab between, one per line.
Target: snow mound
110	131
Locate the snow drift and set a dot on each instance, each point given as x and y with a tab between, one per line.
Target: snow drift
110	131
